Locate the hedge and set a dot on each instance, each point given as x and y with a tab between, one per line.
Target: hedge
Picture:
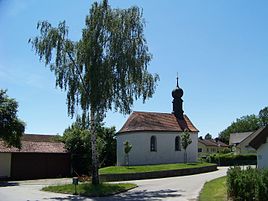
232	160
247	185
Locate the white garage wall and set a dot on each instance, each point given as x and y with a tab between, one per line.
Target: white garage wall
5	164
262	155
140	153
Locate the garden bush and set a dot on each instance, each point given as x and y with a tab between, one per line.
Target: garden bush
232	160
247	185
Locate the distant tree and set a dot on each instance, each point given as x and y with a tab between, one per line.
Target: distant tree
263	115
77	141
208	136
106	146
127	149
243	124
106	69
11	128
185	142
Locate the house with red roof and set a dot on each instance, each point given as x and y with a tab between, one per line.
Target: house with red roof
210	146
40	156
156	137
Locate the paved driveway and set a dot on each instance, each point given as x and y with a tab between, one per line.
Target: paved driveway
173	188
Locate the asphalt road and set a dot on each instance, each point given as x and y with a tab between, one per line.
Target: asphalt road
173	188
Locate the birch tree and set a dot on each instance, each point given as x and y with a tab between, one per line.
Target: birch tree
106	69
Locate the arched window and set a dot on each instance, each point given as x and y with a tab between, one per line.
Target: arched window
153	143
177	143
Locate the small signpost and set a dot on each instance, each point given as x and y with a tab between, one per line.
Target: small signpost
75	182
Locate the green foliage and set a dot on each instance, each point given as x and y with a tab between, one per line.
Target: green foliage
263	115
11	128
106	146
243	124
225	151
185	140
230	159
247	185
77	141
127	147
86	189
208	136
106	69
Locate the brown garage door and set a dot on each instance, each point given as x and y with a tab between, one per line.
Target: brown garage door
38	165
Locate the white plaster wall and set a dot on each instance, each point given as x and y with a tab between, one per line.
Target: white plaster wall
5	164
262	156
140	153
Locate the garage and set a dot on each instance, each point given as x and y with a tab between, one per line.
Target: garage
39	165
41	156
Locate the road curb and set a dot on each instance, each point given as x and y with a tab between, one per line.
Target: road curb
156	174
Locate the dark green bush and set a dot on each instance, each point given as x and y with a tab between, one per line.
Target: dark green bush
247	185
232	160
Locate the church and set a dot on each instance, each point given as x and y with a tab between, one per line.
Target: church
156	137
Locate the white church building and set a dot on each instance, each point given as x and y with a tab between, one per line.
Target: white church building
156	137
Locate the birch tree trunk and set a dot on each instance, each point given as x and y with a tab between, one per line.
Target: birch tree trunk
94	171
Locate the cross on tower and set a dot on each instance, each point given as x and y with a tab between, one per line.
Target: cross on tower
177	80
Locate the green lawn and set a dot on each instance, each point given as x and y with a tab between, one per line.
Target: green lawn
150	168
87	189
214	190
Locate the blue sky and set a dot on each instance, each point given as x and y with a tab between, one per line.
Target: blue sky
219	49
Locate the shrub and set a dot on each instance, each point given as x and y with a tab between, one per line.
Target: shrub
230	159
247	185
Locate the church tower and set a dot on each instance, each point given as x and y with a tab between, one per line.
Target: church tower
177	93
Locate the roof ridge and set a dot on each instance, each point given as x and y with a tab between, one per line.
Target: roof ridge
151	112
155	112
156	121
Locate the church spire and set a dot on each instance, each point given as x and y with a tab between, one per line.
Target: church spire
177	80
177	93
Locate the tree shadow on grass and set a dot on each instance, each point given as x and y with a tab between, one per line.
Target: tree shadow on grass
129	196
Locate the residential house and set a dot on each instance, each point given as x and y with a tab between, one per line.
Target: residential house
259	142
239	142
210	146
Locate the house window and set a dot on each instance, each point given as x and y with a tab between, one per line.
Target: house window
153	143
199	149
177	143
207	149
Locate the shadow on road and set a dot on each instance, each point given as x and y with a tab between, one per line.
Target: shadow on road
129	196
8	183
70	197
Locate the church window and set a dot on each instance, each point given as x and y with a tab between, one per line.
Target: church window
153	143
178	143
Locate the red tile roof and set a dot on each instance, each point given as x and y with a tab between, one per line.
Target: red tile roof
207	142
35	144
211	142
152	121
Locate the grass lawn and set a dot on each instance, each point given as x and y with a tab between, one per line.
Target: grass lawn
150	168
87	189
214	190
